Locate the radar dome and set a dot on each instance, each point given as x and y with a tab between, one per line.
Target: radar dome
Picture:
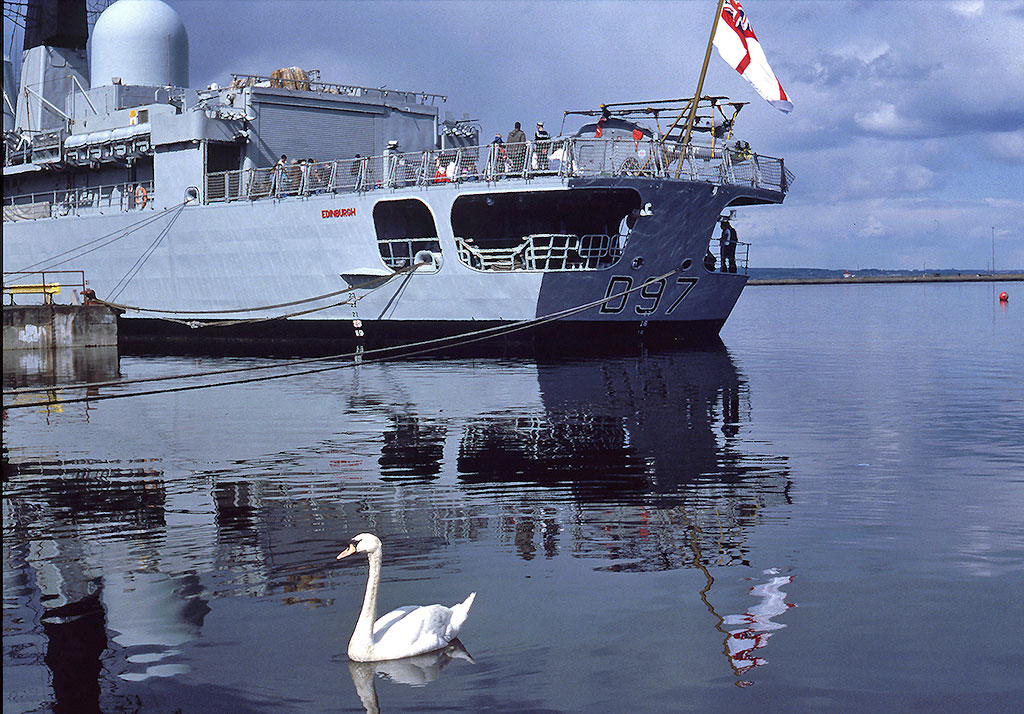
140	42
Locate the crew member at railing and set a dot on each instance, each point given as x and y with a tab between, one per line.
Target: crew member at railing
391	164
279	169
498	159
357	163
440	172
517	149
728	245
542	140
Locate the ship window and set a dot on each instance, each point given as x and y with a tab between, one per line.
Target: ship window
573	229
223	157
404	229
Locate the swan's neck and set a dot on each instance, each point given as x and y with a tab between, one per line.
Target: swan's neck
362	637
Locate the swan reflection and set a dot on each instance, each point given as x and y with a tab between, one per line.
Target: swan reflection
414	671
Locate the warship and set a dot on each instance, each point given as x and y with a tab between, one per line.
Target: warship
280	212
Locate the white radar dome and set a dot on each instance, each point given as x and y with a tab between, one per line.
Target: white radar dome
140	42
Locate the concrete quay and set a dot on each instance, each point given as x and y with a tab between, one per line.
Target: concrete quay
46	327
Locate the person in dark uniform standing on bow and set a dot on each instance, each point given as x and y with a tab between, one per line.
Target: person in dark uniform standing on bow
728	244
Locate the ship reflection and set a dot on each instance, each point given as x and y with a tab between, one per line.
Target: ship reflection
414	671
88	551
646	448
639	463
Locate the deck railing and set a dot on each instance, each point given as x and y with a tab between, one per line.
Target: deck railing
564	157
42	283
544	251
713	260
75	201
568	157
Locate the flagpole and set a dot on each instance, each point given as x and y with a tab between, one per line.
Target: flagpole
700	86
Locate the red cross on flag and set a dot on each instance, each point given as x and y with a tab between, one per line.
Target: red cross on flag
738	45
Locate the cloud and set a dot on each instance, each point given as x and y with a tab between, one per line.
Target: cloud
1007	146
836	69
904	233
885	120
968	8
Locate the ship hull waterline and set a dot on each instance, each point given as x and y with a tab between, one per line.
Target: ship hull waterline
220	257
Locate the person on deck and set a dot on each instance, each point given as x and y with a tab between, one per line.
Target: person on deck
498	159
541	143
517	149
728	245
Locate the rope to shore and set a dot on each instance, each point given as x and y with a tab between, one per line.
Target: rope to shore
366	357
73	253
146	255
366	285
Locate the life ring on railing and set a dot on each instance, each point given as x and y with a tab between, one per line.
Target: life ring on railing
141	197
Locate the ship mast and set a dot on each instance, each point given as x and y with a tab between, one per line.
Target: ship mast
696	95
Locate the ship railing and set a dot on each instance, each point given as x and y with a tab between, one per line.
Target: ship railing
566	157
398	253
713	261
309	81
544	252
77	201
503	259
42	283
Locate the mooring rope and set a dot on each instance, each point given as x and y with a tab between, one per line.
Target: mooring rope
146	254
369	356
382	279
73	253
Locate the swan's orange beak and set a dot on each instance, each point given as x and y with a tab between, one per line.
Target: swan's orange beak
347	552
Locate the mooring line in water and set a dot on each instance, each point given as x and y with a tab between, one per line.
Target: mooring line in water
477	335
373	356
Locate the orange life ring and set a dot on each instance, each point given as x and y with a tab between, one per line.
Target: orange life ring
141	197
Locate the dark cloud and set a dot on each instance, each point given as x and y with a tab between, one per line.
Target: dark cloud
827	69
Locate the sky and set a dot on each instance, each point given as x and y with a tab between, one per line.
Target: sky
907	136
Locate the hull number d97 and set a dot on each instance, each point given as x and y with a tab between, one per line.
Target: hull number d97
648	298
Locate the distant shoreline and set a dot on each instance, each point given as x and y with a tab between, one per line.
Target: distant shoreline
975	278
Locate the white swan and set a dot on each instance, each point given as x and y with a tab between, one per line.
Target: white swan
405	631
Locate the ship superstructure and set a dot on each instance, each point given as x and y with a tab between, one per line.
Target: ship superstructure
281	209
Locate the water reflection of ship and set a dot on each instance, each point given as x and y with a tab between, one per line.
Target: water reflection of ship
73	526
638	462
648	448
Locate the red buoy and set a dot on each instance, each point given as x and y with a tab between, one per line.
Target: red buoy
1004	297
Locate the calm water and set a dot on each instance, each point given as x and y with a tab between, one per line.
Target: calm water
826	514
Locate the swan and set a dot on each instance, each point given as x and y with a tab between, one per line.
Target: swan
403	632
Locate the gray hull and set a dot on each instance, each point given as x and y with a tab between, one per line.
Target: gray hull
234	256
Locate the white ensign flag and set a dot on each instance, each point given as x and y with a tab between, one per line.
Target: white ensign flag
738	45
